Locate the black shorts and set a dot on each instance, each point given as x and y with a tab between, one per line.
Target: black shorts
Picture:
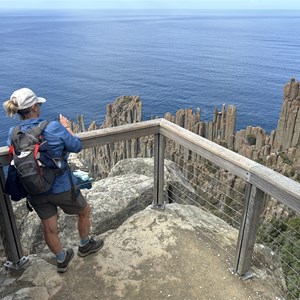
46	204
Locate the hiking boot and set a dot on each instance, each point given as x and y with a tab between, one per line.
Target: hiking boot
63	266
91	246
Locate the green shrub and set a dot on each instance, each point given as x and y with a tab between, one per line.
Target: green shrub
292	171
261	161
285	240
285	158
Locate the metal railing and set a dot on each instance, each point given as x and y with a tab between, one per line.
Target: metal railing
259	179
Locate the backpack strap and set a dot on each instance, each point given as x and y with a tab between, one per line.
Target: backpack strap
15	132
43	125
73	188
36	131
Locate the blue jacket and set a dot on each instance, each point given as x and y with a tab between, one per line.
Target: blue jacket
61	141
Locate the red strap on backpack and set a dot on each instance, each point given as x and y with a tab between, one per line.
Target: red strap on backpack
35	152
11	152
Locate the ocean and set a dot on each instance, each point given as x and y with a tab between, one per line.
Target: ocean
80	61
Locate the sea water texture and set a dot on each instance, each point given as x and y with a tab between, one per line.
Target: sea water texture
82	60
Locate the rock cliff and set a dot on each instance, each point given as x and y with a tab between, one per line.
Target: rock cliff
278	150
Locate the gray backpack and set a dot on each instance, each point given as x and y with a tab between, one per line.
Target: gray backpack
33	159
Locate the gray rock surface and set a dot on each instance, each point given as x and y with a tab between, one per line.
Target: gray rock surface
171	254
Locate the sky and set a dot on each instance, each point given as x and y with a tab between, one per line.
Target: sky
149	4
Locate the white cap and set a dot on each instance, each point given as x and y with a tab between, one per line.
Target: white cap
26	98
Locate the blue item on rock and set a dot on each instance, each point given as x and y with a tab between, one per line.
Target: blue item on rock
83	180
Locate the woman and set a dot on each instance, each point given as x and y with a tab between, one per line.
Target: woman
61	139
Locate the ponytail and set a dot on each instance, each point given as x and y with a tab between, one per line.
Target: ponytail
11	107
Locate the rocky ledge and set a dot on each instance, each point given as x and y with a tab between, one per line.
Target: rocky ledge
182	252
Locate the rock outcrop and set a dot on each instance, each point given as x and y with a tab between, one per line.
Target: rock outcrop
100	160
278	150
222	127
127	190
128	109
288	129
153	255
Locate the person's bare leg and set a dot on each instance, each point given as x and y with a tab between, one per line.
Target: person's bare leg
87	244
84	222
51	234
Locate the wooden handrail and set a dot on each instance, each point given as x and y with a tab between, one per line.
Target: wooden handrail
111	135
106	136
277	185
282	188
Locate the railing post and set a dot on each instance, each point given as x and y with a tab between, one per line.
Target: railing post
8	231
247	235
159	149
